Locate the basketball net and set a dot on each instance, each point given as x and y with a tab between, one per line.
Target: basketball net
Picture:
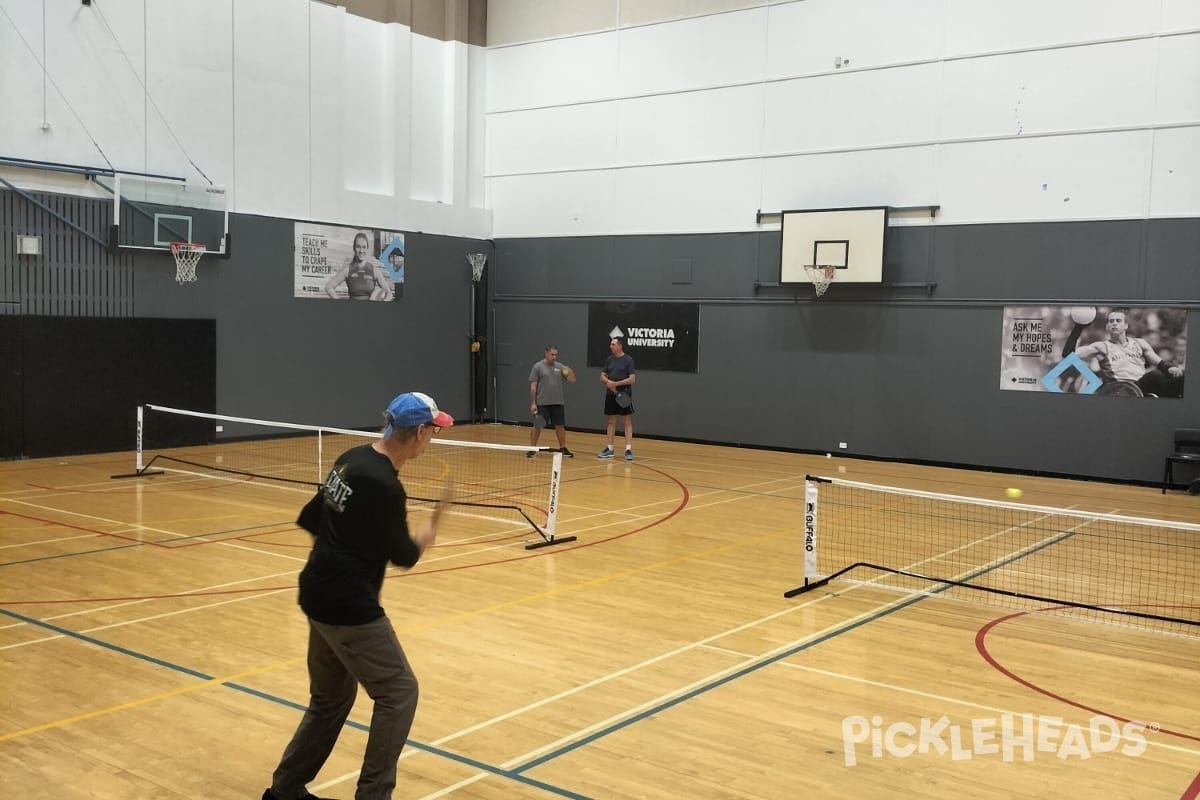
477	262
821	277
187	256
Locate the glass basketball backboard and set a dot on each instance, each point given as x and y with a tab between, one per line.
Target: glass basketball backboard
151	213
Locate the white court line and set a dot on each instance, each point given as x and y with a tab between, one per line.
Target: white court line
691	506
202	476
791	609
5	495
392	570
409	752
675	693
688	466
123	604
131	526
52	541
929	695
628	713
631	518
193	592
418	506
176	595
571	529
154	617
70	490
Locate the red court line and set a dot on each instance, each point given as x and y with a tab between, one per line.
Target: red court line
245	537
518	535
132	487
685	498
74	527
44	524
249	537
981	646
1192	791
165	544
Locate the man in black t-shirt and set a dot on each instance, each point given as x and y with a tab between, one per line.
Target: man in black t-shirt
360	524
618	378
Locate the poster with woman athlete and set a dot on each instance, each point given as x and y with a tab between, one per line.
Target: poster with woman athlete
1117	351
338	263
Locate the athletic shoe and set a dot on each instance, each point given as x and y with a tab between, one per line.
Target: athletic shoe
531	454
566	453
269	795
628	455
605	453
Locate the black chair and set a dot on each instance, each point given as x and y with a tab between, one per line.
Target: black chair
1187	451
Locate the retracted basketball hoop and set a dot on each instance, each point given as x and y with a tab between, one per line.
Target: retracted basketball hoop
477	261
821	276
187	256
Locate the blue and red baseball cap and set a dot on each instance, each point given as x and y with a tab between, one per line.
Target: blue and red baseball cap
412	409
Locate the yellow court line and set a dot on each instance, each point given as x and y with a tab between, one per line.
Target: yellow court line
419	628
145	700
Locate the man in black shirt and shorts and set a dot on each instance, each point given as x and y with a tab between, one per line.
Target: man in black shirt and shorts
618	378
360	523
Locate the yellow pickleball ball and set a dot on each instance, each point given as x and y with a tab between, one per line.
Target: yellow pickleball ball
1013	493
566	372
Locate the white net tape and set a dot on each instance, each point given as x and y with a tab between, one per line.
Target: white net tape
477	262
187	256
821	277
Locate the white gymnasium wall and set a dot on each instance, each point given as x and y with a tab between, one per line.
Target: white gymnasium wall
298	108
1030	110
271	110
476	131
199	118
325	115
429	103
369	96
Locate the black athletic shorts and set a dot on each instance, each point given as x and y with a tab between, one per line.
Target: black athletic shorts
613	408
553	416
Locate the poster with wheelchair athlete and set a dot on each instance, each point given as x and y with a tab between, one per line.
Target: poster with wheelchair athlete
1107	350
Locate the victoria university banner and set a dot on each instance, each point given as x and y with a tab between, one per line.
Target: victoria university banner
660	336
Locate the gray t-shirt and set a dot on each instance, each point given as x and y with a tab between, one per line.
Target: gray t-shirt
618	368
549	380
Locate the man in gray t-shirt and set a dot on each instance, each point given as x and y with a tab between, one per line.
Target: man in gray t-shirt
547	401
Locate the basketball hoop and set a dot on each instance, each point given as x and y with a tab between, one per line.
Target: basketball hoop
477	262
821	277
187	255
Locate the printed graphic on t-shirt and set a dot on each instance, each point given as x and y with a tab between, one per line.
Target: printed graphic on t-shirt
337	491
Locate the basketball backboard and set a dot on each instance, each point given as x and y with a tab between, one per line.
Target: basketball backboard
151	213
847	239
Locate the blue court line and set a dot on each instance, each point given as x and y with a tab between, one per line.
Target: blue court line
428	748
708	687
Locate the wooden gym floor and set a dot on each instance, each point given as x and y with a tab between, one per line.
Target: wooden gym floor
150	646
